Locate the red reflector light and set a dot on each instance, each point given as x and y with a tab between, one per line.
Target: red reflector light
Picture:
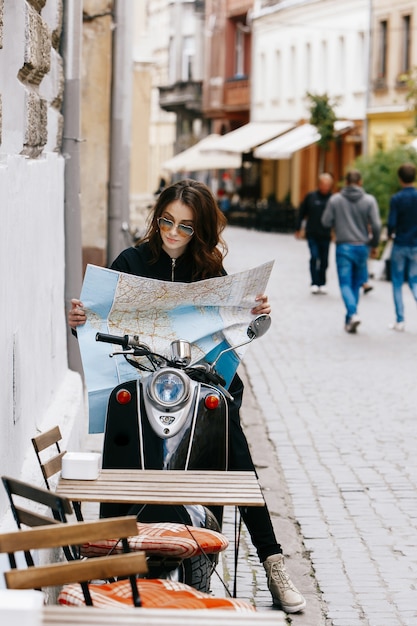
123	396
212	401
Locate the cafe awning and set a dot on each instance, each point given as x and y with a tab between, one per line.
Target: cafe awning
283	147
247	137
194	160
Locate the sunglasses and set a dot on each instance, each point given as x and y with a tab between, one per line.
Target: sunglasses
166	225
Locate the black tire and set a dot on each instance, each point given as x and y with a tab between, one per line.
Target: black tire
197	571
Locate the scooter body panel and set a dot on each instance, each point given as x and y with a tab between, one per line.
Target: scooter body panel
131	442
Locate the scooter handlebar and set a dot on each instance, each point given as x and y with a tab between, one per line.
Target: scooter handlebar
115	339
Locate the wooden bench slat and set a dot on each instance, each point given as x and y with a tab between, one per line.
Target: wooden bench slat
75	571
46	439
53	465
75	616
67	534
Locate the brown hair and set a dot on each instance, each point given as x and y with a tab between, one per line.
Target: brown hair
407	173
206	249
353	177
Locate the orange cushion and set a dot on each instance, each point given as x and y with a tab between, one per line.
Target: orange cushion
164	539
155	593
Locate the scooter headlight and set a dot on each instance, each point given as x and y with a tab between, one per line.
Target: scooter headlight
169	388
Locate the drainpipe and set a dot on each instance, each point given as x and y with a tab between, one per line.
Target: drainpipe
120	134
71	53
368	80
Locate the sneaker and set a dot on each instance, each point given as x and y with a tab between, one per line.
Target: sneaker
314	289
284	592
323	289
352	324
367	288
398	326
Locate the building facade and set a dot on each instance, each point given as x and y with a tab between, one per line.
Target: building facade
390	116
317	47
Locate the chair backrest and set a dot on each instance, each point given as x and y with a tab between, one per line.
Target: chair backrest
22	496
49	453
81	571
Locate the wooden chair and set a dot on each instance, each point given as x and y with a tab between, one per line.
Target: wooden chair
50	462
25	502
64	535
76	576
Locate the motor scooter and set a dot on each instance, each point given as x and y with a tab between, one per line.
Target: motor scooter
174	417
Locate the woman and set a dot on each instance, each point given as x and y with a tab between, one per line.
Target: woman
184	244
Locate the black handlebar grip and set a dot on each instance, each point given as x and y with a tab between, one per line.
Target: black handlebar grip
117	339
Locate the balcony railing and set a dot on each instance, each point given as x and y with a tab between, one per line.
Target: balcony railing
181	95
237	93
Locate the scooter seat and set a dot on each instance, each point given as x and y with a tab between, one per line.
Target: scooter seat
164	539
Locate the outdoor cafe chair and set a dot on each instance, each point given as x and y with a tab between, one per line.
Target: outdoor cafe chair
84	582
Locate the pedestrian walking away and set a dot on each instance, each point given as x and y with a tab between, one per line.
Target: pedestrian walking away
184	243
318	236
402	229
354	215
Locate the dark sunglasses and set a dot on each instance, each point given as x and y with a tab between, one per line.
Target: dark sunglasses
166	225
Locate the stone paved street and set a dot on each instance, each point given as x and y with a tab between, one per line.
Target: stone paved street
332	425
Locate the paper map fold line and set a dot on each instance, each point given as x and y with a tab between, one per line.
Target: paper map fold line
211	314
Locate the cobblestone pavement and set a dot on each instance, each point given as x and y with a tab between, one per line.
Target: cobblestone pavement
331	419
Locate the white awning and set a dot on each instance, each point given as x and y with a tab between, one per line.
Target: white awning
296	139
194	160
247	137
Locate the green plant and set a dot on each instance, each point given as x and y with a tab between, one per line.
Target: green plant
379	173
323	117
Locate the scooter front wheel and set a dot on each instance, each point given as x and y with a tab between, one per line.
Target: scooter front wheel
195	572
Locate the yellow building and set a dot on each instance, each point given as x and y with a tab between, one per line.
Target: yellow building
393	55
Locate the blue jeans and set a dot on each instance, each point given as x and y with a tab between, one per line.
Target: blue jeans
319	255
351	263
403	263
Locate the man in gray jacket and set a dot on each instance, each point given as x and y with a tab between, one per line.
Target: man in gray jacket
354	216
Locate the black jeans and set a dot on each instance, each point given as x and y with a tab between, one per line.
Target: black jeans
319	255
257	519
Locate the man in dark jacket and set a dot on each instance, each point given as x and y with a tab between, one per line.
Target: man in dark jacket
318	236
402	228
354	215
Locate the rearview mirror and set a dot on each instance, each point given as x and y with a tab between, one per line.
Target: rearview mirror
259	326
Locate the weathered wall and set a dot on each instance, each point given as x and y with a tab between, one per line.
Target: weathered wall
95	127
37	388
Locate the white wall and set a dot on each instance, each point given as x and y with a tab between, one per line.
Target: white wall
318	46
37	389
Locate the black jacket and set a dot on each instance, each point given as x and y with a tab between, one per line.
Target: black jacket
311	209
138	261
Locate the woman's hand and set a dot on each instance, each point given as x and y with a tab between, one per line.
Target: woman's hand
263	307
76	315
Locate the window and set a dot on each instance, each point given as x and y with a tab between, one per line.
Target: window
171	60
382	49
292	83
324	66
340	73
240	50
406	43
308	67
187	62
361	62
276	83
